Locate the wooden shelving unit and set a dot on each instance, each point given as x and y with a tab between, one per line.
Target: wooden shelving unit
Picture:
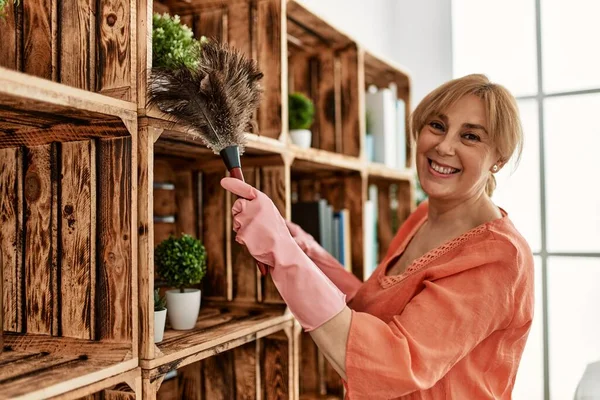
91	180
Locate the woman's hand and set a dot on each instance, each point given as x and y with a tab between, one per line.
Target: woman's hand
258	223
305	240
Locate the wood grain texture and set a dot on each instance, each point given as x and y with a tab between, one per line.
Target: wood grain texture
39	279
77	42
309	372
10	50
119	392
219	376
299	73
268	37
113	288
189	379
169	390
324	98
213	215
11	238
37	38
385	234
349	102
113	64
164	202
145	242
245	371
354	199
162	231
209	23
275	371
78	241
272	183
184	195
239	30
243	264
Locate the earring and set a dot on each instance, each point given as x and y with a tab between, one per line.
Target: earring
495	168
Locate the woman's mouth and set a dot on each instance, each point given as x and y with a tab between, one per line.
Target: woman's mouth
441	169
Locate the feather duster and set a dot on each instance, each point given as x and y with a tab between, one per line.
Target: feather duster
214	101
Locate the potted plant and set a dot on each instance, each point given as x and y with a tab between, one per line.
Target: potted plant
160	316
181	262
301	117
173	43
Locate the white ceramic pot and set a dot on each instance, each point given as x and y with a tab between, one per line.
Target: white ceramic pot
160	318
301	137
183	308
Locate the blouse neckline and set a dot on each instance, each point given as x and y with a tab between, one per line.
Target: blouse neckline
426	259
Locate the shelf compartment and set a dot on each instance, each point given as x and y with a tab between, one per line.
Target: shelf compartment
312	160
254	28
83	45
324	65
220	326
38	366
125	386
379	172
35	112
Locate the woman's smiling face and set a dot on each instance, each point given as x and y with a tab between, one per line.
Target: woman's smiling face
455	153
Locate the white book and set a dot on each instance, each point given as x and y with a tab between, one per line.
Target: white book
382	107
401	134
368	216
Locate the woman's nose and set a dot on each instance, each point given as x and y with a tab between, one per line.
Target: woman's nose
446	146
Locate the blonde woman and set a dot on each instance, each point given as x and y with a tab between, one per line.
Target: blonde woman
447	312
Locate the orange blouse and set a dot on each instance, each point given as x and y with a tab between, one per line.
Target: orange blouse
452	326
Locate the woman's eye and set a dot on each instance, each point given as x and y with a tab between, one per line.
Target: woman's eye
436	126
471	137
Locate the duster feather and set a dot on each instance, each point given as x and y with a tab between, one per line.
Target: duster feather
215	101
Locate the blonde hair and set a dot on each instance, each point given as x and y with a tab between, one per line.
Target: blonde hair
504	123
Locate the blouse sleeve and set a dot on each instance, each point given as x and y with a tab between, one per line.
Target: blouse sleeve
436	329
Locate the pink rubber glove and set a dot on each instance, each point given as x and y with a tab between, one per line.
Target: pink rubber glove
312	298
344	280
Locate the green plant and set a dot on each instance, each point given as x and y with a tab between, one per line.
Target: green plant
3	4
160	302
173	43
181	261
301	111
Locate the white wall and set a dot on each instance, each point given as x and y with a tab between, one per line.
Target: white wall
415	33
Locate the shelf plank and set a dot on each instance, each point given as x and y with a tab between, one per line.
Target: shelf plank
379	172
308	160
380	72
220	327
309	30
39	366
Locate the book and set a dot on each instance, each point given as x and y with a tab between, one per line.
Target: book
381	107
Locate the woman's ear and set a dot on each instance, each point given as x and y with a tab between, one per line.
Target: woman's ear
497	166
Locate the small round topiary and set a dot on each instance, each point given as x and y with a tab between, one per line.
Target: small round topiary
301	111
181	261
173	43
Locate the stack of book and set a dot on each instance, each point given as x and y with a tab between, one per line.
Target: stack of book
330	228
386	127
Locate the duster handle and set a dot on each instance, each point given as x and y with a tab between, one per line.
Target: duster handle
237	173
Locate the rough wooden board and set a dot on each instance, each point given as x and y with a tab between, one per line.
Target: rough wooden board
215	281
114	49
11	237
126	382
37	38
210	23
189	379
268	30
275	371
186	215
10	49
245	371
316	24
309	373
385	234
299	73
219	379
162	231
113	290
39	280
164	202
243	264
323	77
169	390
350	88
77	43
239	30
78	241
355	197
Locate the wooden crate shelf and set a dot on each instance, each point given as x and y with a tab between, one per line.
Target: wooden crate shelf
316	160
90	46
379	172
36	112
220	327
125	386
36	366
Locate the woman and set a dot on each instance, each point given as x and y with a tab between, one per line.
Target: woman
447	313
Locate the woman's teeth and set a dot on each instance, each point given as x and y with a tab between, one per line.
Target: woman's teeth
442	170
